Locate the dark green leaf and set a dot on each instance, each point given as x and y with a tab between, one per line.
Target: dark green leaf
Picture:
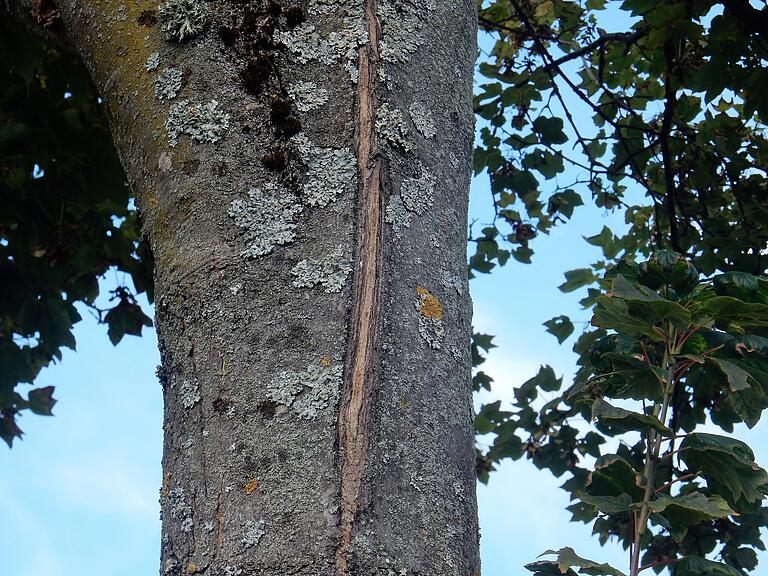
620	420
41	400
729	467
561	327
567	558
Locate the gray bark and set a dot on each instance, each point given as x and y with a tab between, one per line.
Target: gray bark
308	221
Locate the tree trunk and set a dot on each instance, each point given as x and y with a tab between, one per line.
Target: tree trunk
302	171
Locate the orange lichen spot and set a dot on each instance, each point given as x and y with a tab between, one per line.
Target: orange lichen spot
252	486
191	568
403	404
154	201
325	361
429	305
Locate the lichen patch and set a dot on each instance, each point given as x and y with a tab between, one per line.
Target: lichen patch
251	487
331	272
307	44
428	304
418	193
422	119
450	280
401	24
308	392
268	218
189	393
307	96
181	19
201	122
392	126
330	171
397	215
168	84
179	508
415	198
253	533
153	61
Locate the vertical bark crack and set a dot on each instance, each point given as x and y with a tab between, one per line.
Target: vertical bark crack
365	319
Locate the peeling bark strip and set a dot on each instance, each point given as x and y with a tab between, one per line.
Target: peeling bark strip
364	325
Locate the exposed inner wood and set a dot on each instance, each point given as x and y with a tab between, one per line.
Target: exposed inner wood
364	324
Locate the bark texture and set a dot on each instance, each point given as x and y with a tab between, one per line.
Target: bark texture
302	169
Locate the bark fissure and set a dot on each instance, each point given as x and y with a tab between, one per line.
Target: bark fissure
365	318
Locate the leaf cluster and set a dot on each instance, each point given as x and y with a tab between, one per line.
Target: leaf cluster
675	110
668	351
64	218
674	140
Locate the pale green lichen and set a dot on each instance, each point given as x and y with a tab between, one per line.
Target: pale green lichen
189	393
449	280
418	193
422	119
416	197
171	567
152	62
306	44
432	332
318	7
397	215
181	19
268	218
392	126
168	84
309	45
331	272
401	24
201	122
330	171
254	531
179	508
308	392
307	96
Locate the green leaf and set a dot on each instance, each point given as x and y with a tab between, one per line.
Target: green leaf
550	130
575	279
729	467
607	241
567	558
697	566
732	314
614	476
561	327
738	378
626	290
548	568
621	421
648	304
607	504
41	400
615	314
736	284
682	512
545	380
564	202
